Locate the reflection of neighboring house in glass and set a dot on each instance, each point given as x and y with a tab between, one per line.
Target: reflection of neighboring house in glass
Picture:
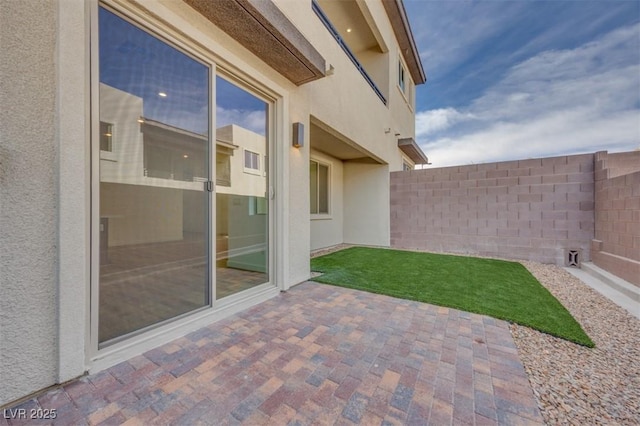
143	153
240	166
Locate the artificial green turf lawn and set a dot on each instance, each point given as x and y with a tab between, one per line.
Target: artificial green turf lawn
501	289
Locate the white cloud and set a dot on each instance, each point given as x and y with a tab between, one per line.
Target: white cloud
438	120
557	102
254	120
452	30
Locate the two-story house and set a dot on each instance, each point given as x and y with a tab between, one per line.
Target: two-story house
166	163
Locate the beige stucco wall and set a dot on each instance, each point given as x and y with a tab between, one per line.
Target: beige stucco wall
366	204
344	100
28	193
140	214
327	230
45	168
244	182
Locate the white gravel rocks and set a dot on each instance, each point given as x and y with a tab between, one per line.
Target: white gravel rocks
575	385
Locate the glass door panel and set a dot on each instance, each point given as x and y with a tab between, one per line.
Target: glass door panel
154	160
242	204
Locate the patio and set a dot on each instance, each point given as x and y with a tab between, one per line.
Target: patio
317	354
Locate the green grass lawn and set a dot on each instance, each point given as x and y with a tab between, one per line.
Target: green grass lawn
501	289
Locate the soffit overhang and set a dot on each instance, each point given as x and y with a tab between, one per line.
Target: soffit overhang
402	30
264	30
329	141
412	150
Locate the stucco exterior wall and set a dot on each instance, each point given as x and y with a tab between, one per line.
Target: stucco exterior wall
366	204
295	183
336	98
530	209
46	183
28	193
616	245
327	230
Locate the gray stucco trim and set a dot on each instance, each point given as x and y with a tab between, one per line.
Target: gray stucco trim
264	30
72	100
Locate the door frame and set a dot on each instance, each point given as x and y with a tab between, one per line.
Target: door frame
96	357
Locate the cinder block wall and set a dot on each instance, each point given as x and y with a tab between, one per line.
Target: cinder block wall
529	209
616	246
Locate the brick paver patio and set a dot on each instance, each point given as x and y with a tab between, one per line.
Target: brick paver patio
317	354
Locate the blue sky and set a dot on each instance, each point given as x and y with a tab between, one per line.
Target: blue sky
174	86
526	79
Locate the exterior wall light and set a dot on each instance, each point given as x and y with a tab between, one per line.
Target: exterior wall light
298	135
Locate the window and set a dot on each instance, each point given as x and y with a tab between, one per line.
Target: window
251	161
406	166
401	80
257	205
106	136
405	84
319	187
174	154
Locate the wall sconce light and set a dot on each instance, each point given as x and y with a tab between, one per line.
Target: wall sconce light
298	135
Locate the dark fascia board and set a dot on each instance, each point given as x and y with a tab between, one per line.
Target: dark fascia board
412	150
402	30
264	30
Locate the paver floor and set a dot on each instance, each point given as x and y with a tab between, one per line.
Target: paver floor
316	354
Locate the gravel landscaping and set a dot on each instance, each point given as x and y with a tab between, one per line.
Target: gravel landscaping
574	384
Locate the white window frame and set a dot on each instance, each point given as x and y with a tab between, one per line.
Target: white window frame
109	128
405	84
253	154
110	155
326	215
402	80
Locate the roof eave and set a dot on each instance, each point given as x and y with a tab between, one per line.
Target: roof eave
265	31
401	28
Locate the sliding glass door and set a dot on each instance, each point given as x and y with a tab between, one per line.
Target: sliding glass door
155	145
242	202
181	206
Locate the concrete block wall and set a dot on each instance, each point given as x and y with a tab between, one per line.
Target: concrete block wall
619	163
616	244
528	209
